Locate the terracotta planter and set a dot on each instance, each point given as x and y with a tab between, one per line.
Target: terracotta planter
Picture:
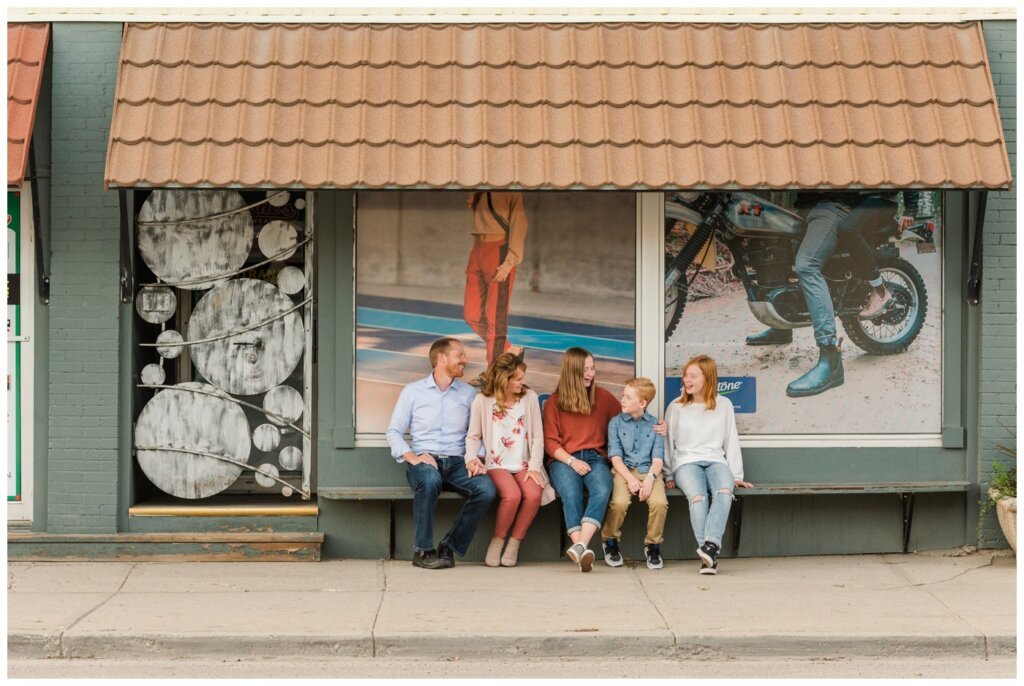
1006	511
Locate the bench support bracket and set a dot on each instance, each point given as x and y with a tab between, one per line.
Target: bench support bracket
907	502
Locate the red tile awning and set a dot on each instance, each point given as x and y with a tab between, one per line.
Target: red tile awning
623	106
26	58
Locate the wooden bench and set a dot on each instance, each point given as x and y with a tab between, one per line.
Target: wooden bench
905	490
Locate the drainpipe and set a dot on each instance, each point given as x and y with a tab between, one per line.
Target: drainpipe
974	276
42	273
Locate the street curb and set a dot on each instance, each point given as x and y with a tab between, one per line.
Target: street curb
34	645
149	646
660	643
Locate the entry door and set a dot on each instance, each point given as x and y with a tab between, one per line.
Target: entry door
20	353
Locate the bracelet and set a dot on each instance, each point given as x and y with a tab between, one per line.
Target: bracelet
568	463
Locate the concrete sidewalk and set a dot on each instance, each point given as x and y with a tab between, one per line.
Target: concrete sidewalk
845	606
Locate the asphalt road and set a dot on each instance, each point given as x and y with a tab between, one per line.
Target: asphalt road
366	668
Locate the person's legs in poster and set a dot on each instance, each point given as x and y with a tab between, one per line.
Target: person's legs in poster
486	302
816	248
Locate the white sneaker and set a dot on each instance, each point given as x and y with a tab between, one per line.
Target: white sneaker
586	560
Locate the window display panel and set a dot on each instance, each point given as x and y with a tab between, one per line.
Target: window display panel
540	271
823	310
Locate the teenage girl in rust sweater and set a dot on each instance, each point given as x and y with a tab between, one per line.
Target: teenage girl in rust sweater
576	420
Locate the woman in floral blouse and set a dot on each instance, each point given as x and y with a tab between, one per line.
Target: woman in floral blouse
505	422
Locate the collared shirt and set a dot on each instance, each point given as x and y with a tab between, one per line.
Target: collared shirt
634	441
436	420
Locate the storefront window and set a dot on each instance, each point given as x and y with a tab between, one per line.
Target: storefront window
224	322
737	268
425	265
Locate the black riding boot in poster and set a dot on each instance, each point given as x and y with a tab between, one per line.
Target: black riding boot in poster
828	373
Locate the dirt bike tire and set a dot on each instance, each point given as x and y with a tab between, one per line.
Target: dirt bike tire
854	326
673	315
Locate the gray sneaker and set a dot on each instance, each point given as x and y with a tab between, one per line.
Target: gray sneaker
612	556
575	553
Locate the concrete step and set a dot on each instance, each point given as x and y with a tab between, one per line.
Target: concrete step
291	546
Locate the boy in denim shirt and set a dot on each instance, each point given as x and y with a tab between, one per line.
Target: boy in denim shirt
637	454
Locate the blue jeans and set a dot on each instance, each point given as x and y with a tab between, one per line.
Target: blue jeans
817	247
451	474
570	487
697	479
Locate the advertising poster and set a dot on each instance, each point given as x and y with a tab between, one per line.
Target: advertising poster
13	346
743	281
424	271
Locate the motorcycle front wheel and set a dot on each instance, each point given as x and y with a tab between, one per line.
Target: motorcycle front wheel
893	330
675	302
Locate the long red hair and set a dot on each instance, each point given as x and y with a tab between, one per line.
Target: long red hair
709	369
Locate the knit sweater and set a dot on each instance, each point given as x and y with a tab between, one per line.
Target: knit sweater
575	432
696	433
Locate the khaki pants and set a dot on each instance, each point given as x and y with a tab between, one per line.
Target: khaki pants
657	509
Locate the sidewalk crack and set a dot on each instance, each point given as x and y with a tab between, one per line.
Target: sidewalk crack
657	609
62	648
919	584
987	653
376	615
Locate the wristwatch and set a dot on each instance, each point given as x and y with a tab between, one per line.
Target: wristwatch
568	463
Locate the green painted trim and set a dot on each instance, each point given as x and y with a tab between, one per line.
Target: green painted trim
126	388
954	277
345	318
971	375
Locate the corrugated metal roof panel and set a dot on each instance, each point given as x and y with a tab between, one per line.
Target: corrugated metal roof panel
556	106
26	58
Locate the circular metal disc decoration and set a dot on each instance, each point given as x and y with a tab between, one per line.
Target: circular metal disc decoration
266	437
278	236
277	198
291	280
246	362
192	250
284	401
290	458
169	336
300	203
176	418
156	304
153	375
286	491
264	473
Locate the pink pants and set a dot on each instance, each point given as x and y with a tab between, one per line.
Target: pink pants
518	499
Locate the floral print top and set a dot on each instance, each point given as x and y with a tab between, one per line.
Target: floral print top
508	438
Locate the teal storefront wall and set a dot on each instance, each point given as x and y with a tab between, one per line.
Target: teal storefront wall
997	359
87	466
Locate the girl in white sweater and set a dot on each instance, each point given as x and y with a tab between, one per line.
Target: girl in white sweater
703	455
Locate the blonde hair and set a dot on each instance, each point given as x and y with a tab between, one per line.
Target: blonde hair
497	376
573	395
709	369
645	389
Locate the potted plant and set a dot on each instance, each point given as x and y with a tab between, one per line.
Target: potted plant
1002	492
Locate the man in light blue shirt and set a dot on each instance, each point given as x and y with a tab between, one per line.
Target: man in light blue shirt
435	412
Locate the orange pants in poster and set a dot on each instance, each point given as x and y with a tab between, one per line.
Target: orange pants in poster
486	303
